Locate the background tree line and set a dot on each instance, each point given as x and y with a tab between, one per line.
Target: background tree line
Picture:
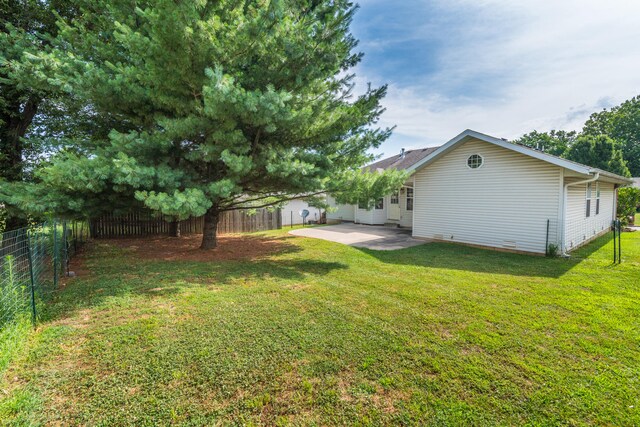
609	140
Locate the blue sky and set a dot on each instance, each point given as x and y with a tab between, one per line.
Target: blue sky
496	66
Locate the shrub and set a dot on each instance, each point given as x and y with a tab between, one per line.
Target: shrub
628	201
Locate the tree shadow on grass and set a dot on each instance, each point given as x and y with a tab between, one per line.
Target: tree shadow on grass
231	247
460	257
114	268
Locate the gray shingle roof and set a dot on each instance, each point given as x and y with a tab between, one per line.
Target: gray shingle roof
399	162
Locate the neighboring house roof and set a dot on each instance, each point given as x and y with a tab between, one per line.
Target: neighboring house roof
404	160
636	182
470	134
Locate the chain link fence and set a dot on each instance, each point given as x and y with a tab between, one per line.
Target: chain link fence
32	260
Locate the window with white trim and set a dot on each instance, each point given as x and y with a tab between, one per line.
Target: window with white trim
597	198
588	200
363	205
380	203
409	199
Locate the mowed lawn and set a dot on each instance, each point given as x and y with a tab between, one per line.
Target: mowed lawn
308	332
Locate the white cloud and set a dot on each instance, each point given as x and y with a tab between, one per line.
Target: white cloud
528	65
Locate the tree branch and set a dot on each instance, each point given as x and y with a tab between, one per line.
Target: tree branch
236	206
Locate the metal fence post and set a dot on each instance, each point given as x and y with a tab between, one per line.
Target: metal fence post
75	237
33	281
615	251
55	254
65	252
619	241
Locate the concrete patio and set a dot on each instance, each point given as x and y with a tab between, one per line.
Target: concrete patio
375	237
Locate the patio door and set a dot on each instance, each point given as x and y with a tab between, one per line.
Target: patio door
393	212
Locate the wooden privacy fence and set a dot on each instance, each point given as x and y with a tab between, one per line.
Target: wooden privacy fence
138	224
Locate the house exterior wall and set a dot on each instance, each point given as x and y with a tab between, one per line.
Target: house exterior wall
503	204
291	210
363	216
372	216
580	229
343	212
355	214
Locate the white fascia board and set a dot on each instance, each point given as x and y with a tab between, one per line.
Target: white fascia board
612	177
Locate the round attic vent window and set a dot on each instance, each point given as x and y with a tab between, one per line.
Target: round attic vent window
474	161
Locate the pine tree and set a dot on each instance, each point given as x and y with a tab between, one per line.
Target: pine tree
25	26
216	106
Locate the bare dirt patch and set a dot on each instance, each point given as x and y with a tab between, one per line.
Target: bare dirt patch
187	248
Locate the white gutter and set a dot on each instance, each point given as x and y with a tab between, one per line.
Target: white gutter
564	207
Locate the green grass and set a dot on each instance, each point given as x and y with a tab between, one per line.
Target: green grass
323	334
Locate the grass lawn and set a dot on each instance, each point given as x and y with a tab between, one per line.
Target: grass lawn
308	332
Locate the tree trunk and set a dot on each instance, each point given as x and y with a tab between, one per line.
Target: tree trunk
174	230
210	229
16	121
14	222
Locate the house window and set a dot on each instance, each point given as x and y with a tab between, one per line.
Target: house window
475	161
363	205
409	199
588	200
380	203
597	198
394	198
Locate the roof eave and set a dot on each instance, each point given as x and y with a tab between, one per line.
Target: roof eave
612	177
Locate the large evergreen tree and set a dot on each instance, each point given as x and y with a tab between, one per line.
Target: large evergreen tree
219	106
25	26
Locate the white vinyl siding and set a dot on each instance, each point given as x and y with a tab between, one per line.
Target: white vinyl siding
363	216
579	228
504	204
371	216
343	212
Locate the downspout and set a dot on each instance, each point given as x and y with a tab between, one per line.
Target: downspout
615	202
413	216
564	208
